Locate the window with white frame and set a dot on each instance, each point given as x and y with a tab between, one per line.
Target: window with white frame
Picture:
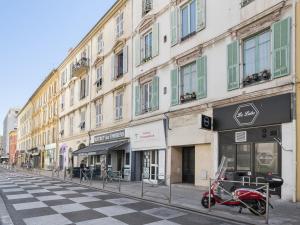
119	106
82	120
146	97
119	25
257	54
147	6
72	95
83	88
62	102
188	81
98	109
100	43
71	124
99	76
147	46
188	19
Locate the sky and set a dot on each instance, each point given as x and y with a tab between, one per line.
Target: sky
35	36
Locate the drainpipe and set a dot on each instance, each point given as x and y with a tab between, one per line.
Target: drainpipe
294	98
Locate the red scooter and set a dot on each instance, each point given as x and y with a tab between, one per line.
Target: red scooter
254	200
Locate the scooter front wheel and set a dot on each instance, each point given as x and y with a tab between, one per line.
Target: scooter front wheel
258	208
205	201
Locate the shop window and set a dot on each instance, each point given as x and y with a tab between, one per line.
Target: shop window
229	151
243	157
257	58
127	158
108	159
188	20
188	78
266	158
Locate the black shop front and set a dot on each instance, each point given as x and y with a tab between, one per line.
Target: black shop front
250	135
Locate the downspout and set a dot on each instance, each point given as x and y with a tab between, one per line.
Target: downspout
294	98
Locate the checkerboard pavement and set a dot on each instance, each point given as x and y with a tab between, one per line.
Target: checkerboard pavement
41	201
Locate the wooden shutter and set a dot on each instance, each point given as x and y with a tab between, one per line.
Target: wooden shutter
174	27
155	93
155	39
281	34
200	14
202	77
137	100
174	87
125	59
233	70
113	72
137	51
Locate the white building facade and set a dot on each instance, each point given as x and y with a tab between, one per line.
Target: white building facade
10	123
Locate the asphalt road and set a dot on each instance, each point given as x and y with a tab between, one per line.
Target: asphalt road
37	200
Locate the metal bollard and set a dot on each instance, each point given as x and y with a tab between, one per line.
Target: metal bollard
103	182
119	181
142	194
267	204
170	193
80	175
65	173
209	194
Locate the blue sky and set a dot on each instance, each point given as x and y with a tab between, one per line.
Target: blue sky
35	36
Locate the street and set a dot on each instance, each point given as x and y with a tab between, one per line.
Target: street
37	200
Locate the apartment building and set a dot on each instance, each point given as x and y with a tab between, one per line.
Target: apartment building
45	123
9	124
13	147
95	97
297	155
24	140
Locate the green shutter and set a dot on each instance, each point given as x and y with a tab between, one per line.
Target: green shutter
281	33
202	77
155	39
201	14
137	100
174	87
137	51
174	27
155	93
233	67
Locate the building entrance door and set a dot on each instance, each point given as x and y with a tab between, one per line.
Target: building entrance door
188	165
150	166
120	160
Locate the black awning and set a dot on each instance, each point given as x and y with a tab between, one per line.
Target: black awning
101	149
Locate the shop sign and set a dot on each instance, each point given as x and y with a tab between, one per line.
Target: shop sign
110	136
246	114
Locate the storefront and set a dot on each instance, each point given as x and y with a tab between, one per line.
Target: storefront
63	156
34	158
256	137
109	150
148	145
49	156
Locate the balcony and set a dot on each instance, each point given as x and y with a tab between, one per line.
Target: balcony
81	67
257	78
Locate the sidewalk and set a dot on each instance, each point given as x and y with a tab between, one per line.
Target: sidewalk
4	215
189	197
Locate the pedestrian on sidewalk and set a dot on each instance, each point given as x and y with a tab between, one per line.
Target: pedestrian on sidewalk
82	168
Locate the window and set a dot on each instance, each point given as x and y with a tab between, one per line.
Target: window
188	81
147	6
119	25
99	77
98	114
119	64
146	97
119	106
108	159
188	19
62	102
127	158
71	125
246	2
62	127
257	54
100	43
147	46
63	77
83	88
72	96
82	120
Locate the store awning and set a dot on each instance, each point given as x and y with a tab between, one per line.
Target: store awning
101	149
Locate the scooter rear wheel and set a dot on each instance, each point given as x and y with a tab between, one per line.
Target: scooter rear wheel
258	208
205	201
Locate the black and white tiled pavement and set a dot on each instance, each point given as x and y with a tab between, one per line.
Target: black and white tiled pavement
34	200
